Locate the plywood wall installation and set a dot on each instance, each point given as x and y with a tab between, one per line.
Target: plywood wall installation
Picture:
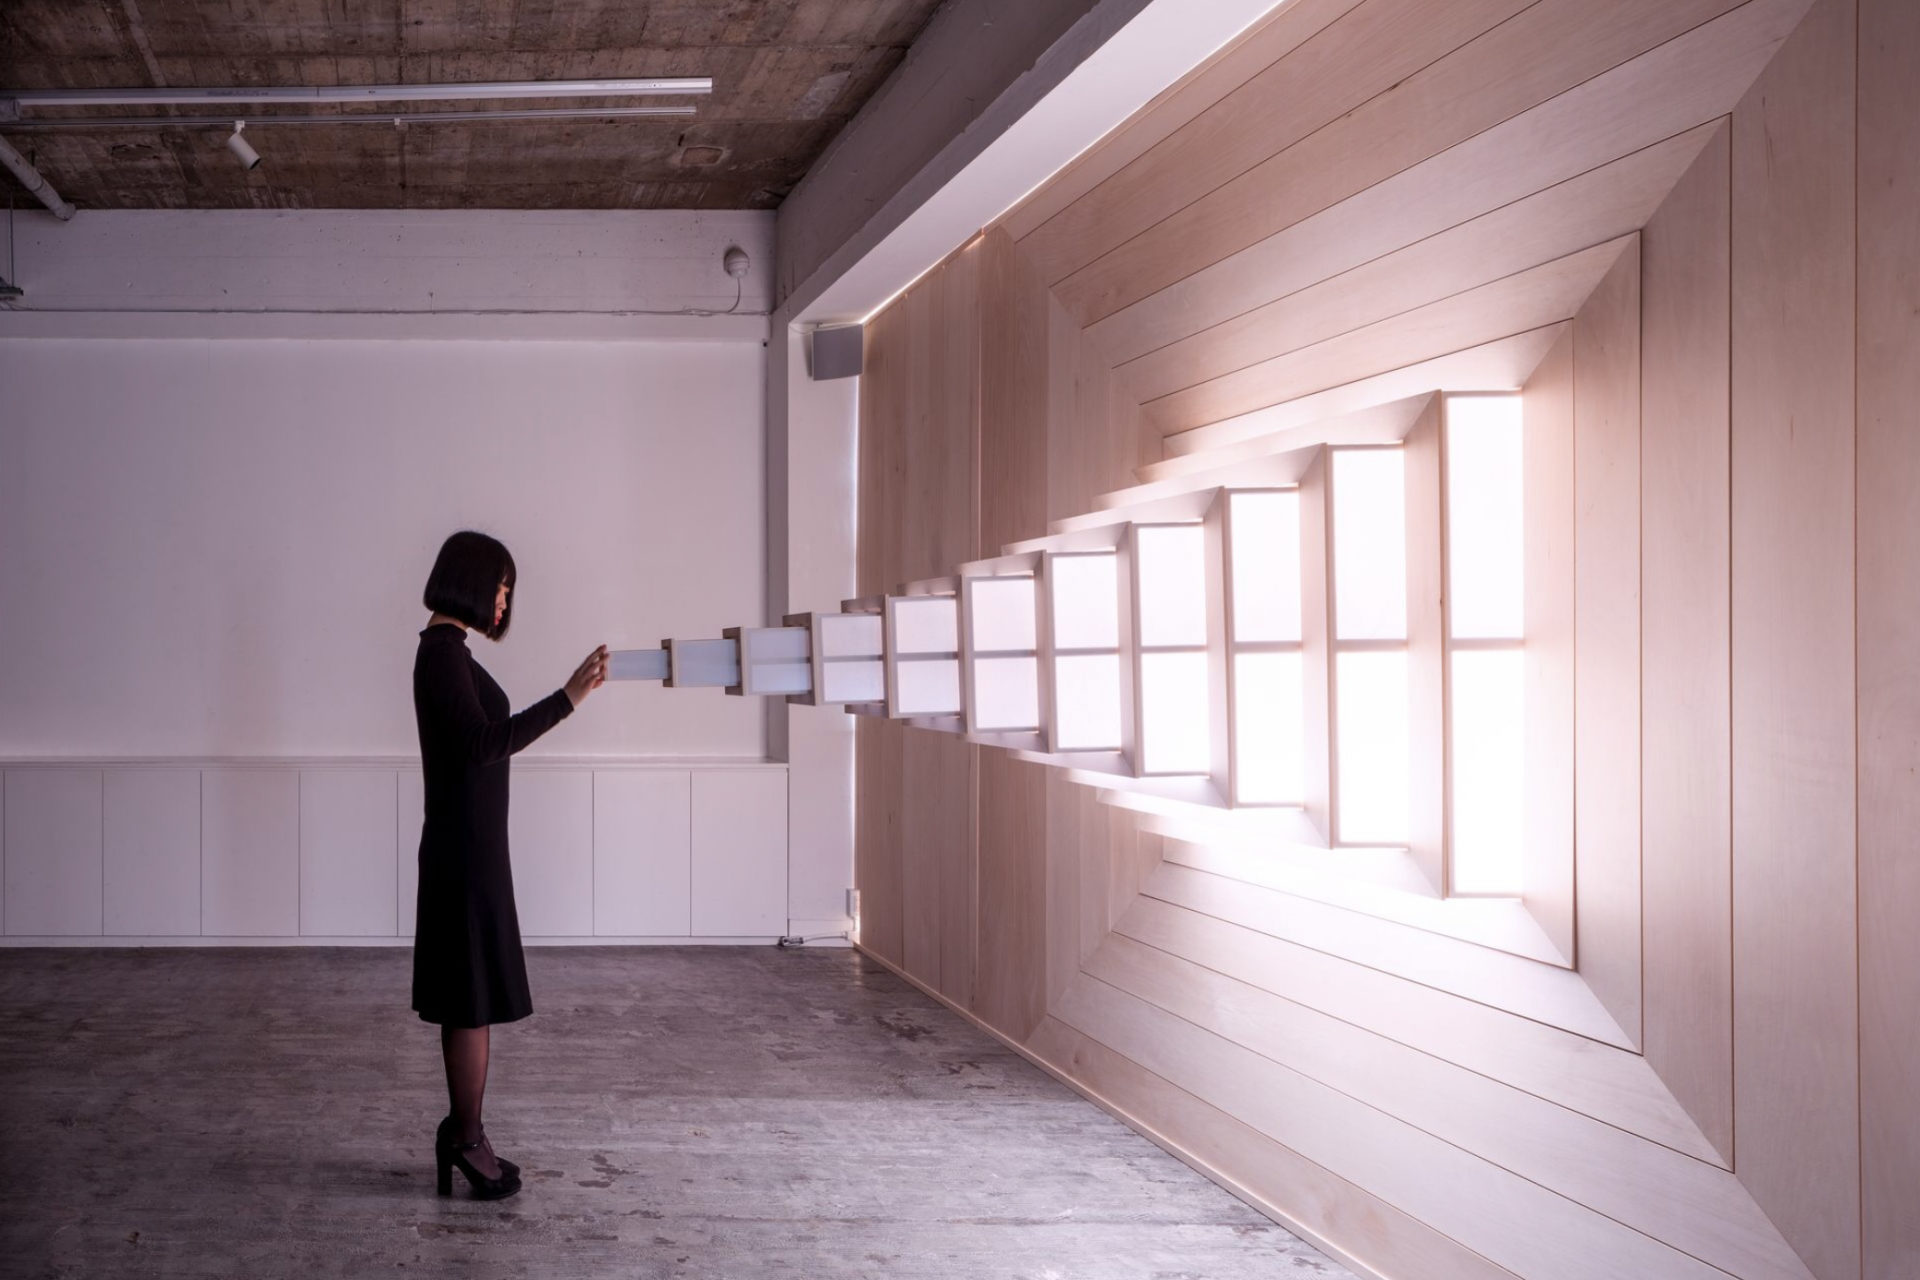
1363	200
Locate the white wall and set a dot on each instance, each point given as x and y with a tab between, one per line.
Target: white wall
218	546
230	445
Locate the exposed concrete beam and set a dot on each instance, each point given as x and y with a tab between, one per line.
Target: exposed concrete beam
994	97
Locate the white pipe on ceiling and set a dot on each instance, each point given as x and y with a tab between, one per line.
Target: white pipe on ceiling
31	179
356	92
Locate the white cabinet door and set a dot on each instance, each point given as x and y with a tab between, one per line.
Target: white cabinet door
550	833
739	853
412	816
152	833
347	852
53	851
250	853
642	853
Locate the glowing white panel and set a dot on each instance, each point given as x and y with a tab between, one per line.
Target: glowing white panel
1003	614
1086	602
855	682
1173	713
1265	529
926	624
1269	728
1485	516
1173	585
1088	690
1006	693
851	635
1370	544
774	644
781	677
930	688
1372	719
1489	769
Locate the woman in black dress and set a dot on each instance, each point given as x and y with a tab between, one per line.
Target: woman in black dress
468	970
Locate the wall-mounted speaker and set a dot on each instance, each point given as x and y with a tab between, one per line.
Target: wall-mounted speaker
837	351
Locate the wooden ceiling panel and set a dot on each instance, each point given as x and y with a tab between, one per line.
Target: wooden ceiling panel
1353	60
788	74
1599	205
1546	50
1525	301
1262	45
1505	363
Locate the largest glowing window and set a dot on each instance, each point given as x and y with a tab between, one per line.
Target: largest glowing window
1368	494
1486	610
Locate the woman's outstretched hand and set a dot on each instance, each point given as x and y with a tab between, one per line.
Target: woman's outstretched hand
588	677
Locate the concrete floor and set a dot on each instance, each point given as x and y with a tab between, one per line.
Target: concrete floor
688	1112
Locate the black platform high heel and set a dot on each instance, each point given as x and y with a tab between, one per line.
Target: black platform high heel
444	1135
448	1156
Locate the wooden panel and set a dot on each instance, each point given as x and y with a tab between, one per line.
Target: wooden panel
1365	53
550	834
411	790
1010	973
1545	993
1065	820
642	853
1507	1219
1548	49
1684	636
1136	855
1539	296
1796	1046
937	855
1340	1218
1889	622
250	852
1426	651
1014	391
883	407
1263	45
1546	871
151	830
1606	640
739	853
1609	1084
940	482
348	854
1695	1207
950	793
1504	364
53	851
1103	832
1524	209
877	835
1598	206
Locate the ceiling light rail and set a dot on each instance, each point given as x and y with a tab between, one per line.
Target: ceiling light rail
394	120
351	93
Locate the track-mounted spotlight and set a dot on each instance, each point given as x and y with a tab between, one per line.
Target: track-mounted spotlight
248	157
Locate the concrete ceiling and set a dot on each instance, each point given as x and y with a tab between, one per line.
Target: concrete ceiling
787	75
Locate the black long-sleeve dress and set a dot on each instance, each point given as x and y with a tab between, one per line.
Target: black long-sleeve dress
468	970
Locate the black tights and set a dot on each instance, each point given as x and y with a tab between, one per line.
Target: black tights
465	1051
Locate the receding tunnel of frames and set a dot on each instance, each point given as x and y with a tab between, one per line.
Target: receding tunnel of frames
1338	630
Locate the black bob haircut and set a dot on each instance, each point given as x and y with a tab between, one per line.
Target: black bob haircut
466	575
